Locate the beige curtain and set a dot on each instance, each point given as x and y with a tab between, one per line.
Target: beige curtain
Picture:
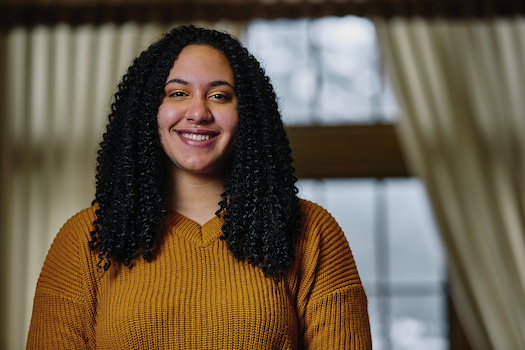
56	89
461	88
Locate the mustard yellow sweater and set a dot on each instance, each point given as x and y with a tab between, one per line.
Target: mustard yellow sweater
195	295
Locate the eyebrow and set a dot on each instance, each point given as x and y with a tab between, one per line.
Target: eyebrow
212	84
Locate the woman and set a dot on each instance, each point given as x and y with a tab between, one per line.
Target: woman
197	239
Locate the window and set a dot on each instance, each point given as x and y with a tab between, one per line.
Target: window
327	72
390	228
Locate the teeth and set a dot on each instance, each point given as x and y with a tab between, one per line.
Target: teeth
195	137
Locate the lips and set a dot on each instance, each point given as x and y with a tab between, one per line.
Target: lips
197	137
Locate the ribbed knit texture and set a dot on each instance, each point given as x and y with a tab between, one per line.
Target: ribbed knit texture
195	295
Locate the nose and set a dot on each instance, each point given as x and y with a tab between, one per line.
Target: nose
198	111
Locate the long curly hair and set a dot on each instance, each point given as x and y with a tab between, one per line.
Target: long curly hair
259	203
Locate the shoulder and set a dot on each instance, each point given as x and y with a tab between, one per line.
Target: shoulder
79	226
75	233
68	255
316	219
72	241
323	242
323	258
83	219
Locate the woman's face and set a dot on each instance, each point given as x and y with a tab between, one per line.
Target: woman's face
198	116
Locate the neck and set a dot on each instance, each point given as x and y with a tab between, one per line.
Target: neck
195	196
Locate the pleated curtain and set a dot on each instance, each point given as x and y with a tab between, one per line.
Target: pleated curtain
56	89
461	88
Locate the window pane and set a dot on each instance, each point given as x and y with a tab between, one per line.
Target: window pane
351	203
389	226
282	47
325	71
418	323
375	314
415	253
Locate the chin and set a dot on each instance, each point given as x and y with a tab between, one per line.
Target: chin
201	170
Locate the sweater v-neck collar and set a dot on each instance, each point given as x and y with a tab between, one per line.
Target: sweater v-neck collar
200	235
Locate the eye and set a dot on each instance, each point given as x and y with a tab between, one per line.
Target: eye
218	96
178	94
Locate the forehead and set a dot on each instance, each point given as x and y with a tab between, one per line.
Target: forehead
201	61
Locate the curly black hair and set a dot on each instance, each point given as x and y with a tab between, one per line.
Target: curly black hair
260	205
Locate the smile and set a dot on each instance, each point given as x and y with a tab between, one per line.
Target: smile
196	137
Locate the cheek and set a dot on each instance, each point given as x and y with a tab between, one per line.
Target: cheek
168	115
232	122
234	126
162	117
234	130
163	124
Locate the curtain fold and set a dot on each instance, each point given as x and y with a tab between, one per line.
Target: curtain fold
56	89
460	87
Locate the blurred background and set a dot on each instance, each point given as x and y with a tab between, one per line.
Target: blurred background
406	120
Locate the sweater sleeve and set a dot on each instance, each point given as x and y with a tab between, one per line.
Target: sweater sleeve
332	305
63	315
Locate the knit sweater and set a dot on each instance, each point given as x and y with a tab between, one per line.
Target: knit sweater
195	295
